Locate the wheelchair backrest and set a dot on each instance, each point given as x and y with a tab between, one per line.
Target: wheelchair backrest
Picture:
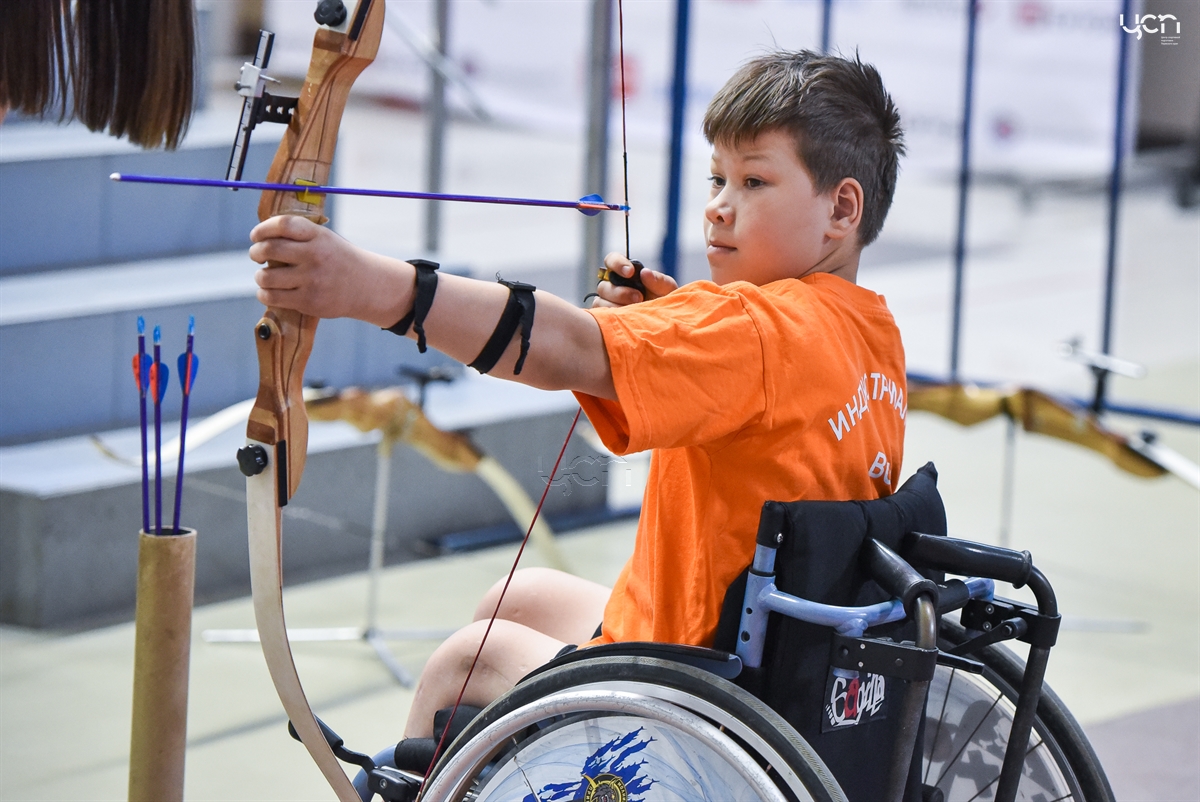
845	718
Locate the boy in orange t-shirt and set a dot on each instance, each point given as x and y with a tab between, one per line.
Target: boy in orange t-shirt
779	379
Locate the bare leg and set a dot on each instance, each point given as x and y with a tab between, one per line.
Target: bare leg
511	652
563	606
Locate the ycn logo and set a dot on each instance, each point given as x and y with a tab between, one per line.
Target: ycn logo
1151	23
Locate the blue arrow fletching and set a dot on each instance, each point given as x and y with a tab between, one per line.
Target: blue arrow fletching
590	199
164	378
186	378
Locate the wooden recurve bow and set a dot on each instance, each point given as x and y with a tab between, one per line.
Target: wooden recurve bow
277	433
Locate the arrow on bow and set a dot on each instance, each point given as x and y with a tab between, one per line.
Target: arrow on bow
589	205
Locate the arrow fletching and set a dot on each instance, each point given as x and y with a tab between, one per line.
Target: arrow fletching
160	376
592	205
141	377
187	372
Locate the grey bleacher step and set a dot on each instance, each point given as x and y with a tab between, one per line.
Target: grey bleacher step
67	338
70	515
58	207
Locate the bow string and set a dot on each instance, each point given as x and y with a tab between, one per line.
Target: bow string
571	430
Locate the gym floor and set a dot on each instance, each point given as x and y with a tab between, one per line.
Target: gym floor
1123	552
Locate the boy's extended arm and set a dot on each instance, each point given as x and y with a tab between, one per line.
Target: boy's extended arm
321	274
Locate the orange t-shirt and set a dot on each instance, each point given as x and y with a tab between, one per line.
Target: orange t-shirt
793	390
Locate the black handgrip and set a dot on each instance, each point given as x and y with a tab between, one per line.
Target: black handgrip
771	524
952	595
967	558
894	575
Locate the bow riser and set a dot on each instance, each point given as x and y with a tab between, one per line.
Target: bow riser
285	337
306	152
284	340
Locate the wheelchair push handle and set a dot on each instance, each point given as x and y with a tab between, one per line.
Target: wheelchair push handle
966	558
772	522
894	575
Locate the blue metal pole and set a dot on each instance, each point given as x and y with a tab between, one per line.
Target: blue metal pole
1114	207
826	16
670	247
964	185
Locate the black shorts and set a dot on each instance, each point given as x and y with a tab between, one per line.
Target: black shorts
570	647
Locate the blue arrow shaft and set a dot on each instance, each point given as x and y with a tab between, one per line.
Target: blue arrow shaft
185	383
157	441
145	454
379	193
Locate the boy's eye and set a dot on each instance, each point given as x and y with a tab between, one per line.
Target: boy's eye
754	183
716	180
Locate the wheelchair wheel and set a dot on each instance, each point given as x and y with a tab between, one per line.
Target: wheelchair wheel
967	720
612	729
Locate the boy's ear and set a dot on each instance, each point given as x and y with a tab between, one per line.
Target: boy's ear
847	199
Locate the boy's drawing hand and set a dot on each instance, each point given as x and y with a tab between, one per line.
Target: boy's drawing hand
317	272
608	294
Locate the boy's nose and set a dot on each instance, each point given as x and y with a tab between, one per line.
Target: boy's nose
717	210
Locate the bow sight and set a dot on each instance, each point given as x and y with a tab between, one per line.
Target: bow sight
259	105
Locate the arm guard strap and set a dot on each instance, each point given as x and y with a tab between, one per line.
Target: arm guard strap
518	311
427	281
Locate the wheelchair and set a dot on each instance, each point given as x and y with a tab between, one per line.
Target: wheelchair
838	673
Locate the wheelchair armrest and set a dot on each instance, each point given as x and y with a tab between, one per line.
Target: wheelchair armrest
723	664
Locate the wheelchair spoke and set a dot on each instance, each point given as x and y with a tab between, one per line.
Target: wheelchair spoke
941	717
971	728
966	740
1068	795
1039	776
617	725
984	788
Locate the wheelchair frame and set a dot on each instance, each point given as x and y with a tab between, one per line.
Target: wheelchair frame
917	596
995	732
689	687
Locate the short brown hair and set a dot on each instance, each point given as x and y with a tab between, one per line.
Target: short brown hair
843	120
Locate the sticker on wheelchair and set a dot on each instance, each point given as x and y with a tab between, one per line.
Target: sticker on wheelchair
852	700
614	759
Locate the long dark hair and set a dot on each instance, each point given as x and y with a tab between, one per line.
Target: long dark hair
125	66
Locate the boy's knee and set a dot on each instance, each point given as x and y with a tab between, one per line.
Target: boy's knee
458	651
527	585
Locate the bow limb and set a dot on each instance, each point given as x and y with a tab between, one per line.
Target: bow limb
278	425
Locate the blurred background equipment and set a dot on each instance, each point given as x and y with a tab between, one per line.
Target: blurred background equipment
398	420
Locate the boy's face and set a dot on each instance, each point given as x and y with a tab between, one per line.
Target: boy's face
764	220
